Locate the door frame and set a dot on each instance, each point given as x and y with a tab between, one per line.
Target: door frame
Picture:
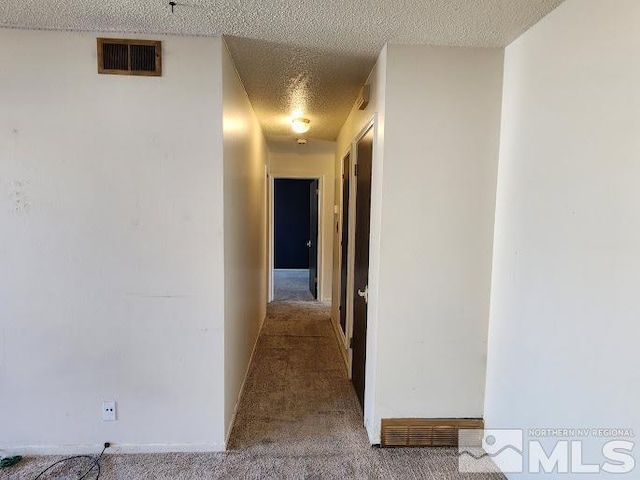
343	335
374	265
272	184
374	244
351	250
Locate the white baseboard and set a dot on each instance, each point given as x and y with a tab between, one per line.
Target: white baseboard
126	448
244	382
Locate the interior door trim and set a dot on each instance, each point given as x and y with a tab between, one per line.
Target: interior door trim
344	335
371	361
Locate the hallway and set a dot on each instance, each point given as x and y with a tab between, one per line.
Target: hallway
297	399
299	416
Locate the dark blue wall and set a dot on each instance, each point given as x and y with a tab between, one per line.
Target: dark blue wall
291	220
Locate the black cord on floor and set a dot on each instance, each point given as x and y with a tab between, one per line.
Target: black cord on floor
95	465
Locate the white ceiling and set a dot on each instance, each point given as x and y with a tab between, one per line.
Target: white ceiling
308	54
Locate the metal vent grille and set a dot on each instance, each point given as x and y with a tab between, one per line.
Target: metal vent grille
115	56
129	57
422	432
143	58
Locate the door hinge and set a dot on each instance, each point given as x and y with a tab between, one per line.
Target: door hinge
351	342
355	170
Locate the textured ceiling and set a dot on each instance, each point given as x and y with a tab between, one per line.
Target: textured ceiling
311	55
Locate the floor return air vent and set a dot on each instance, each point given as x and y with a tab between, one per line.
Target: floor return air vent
428	432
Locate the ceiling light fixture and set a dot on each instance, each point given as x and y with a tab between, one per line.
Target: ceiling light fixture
300	125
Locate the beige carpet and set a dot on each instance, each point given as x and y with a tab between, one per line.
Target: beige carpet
298	418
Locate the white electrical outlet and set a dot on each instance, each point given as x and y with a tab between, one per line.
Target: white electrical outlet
109	411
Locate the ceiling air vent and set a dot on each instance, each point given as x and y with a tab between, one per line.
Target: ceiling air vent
129	57
425	432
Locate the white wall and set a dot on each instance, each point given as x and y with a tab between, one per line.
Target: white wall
352	128
245	256
564	330
440	163
317	163
437	114
111	247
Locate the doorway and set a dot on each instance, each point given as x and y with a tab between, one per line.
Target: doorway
295	239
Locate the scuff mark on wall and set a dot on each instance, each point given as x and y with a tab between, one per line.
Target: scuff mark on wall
19	197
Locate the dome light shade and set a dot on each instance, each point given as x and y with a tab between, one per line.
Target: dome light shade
300	125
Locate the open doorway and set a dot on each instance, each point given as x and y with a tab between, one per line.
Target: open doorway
295	239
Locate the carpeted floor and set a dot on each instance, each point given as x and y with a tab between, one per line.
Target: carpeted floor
291	285
298	418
